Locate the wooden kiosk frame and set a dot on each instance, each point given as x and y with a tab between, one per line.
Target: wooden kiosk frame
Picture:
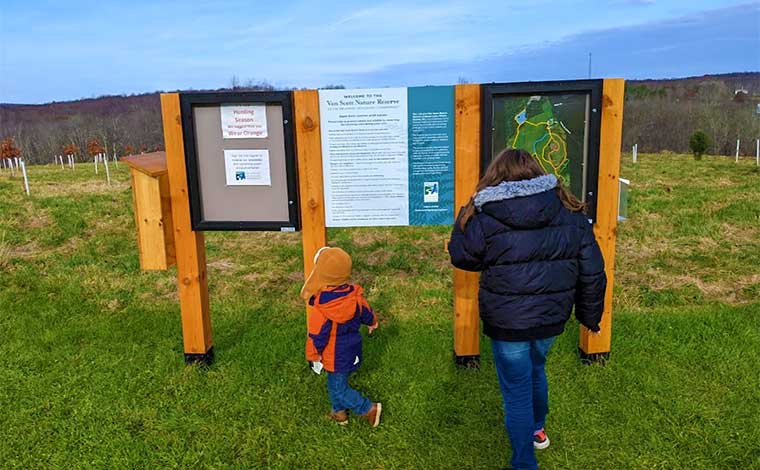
468	139
190	245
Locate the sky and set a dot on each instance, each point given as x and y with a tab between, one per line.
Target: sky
63	50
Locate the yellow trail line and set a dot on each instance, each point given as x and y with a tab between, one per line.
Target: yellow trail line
552	137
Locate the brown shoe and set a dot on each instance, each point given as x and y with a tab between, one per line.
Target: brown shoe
373	416
340	417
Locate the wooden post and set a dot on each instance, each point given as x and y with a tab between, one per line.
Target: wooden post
310	184
595	347
467	175
190	247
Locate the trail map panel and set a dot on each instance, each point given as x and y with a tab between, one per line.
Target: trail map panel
551	127
557	122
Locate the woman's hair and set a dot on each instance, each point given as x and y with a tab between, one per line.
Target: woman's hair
515	165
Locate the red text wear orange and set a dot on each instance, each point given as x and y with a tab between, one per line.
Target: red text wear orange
334	324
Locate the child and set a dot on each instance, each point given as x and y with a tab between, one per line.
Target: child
538	257
339	310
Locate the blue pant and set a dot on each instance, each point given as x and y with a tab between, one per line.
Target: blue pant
343	397
522	379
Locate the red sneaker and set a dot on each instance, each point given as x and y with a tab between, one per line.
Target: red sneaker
373	416
540	439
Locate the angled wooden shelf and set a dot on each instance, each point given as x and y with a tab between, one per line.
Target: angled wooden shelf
153	210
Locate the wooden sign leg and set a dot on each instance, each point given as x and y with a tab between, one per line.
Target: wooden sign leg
597	347
190	246
310	184
467	175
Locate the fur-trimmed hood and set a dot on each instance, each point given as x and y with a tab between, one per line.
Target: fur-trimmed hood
524	204
513	189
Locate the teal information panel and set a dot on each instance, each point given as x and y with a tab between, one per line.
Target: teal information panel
388	156
431	155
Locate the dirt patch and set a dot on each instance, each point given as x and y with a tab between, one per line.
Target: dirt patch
38	219
378	257
27	250
740	234
84	187
365	238
724	182
223	265
32	250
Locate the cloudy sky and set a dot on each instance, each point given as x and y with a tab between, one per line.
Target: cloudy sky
61	50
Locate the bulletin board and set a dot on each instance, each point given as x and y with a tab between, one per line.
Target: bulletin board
557	122
240	160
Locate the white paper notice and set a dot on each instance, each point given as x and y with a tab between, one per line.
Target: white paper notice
247	168
365	156
244	121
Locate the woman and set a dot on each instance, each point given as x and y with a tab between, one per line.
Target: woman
538	256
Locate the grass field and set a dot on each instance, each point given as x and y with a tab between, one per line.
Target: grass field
92	371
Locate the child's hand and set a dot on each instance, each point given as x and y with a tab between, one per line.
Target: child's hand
372	328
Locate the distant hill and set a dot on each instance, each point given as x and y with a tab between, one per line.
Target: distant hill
101	106
132	122
749	81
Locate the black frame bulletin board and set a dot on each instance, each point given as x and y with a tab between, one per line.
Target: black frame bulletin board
591	88
282	146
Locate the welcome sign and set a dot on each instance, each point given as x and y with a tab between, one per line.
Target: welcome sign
388	156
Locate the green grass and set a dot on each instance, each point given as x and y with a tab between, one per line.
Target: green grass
92	372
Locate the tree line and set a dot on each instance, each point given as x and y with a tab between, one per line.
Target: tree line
658	116
663	116
112	125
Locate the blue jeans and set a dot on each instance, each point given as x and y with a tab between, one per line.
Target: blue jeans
343	397
522	379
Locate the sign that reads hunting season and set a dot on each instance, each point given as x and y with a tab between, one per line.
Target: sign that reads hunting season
244	121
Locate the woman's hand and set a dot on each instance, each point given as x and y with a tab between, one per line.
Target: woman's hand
372	328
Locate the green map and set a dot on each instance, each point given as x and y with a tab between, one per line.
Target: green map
551	127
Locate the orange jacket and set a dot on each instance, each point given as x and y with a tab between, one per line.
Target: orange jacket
334	322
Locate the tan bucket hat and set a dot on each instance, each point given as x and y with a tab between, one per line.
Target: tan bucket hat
332	267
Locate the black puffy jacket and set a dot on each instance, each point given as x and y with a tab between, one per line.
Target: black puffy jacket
538	260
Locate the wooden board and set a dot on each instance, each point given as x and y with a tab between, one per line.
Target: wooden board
137	218
467	175
607	205
166	218
310	185
192	277
152	164
149	220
